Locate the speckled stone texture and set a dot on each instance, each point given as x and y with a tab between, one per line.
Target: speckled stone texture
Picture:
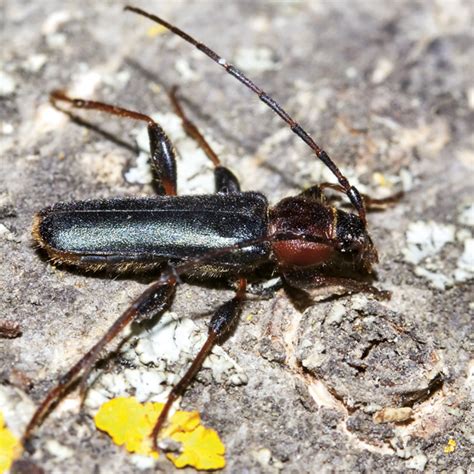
386	88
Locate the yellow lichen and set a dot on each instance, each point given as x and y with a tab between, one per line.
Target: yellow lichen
450	446
155	30
182	421
10	447
201	448
380	179
130	424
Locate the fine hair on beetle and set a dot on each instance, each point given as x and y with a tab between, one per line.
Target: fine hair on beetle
231	234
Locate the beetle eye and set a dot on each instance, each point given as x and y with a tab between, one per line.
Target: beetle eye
350	232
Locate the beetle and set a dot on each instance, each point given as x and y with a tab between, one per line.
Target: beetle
304	239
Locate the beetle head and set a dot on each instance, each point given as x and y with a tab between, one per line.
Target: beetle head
353	240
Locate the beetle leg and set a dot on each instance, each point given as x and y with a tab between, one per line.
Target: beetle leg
314	193
225	180
162	154
163	160
370	203
155	299
221	323
349	285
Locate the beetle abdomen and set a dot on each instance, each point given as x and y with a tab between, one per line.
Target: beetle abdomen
122	232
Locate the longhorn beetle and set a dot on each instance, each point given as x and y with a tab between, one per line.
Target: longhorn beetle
231	234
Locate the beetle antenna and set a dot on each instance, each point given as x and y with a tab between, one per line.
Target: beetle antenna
352	192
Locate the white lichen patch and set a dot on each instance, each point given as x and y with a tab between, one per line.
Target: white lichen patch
195	170
263	456
425	244
6	128
336	314
55	21
256	59
146	384
417	462
359	301
224	368
160	357
383	69
58	450
426	239
116	79
48	118
142	462
465	263
176	340
165	341
85	84
141	172
470	97
466	215
450	17
52	26
436	279
185	71
35	62
17	409
351	72
7	84
6	234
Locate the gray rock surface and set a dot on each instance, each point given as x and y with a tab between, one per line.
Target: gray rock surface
387	90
